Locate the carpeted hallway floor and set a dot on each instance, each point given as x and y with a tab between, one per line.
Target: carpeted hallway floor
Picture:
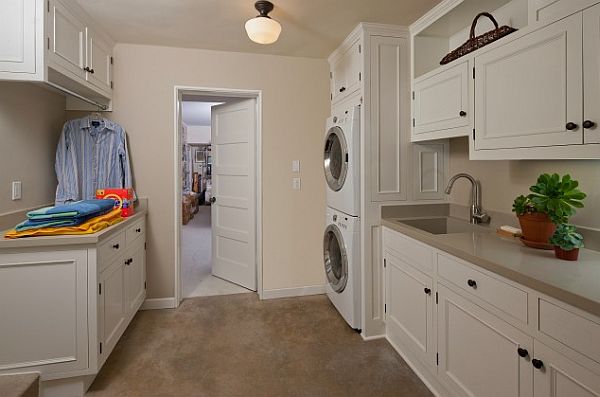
236	345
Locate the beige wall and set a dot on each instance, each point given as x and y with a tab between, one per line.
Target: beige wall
31	119
502	181
295	106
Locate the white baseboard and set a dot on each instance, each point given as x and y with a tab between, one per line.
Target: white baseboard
372	337
158	303
291	292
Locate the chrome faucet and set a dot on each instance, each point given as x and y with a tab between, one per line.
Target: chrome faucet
476	213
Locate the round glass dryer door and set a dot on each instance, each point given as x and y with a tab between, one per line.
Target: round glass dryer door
335	158
335	258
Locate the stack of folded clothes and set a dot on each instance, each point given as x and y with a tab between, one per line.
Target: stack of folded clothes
80	217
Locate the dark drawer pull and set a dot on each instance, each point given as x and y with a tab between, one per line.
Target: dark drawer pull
427	291
539	364
571	126
588	124
138	230
472	283
522	352
116	246
342	89
462	113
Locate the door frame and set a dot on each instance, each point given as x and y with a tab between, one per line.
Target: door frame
179	91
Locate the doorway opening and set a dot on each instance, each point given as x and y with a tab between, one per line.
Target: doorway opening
217	192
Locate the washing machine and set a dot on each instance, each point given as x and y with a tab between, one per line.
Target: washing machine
341	160
341	257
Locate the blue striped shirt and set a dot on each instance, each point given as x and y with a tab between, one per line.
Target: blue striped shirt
91	154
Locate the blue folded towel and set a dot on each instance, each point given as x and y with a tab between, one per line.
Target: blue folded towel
73	214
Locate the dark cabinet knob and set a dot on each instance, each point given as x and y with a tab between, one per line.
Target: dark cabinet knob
427	291
92	71
138	230
522	352
213	200
87	69
462	113
537	363
116	246
342	89
589	124
472	283
571	126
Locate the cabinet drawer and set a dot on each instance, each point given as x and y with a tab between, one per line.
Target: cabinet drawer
135	231
110	249
576	331
499	294
409	250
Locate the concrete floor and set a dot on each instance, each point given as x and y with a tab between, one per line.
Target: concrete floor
236	345
196	260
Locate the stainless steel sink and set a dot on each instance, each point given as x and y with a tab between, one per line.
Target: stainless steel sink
443	225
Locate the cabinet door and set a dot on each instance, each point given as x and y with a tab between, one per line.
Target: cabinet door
135	278
44	311
17	30
389	118
338	79
528	90
113	306
347	72
99	62
67	40
441	101
409	307
561	377
429	165
591	72
478	351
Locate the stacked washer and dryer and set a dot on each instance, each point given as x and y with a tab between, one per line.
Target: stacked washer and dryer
341	242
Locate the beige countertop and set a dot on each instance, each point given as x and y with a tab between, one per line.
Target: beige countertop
79	239
575	283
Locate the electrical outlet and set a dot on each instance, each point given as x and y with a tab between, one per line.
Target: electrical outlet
295	165
16	190
296	183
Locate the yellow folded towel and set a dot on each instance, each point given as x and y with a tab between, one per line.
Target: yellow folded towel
94	225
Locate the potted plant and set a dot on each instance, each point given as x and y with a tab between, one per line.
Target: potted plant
567	242
552	201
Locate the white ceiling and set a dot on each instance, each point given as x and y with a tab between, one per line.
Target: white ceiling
310	28
196	113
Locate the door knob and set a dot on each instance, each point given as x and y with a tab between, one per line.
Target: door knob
537	363
427	291
213	200
571	126
588	124
116	246
522	352
462	113
472	283
342	89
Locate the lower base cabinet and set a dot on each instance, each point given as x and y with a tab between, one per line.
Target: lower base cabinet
463	345
478	352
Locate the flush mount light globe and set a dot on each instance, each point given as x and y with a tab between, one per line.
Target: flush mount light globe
263	29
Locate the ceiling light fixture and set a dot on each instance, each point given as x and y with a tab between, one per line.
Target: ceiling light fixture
263	29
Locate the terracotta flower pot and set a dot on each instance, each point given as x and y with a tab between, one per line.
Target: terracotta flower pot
571	255
537	229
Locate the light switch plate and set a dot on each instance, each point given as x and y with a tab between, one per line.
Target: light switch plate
296	183
295	165
16	190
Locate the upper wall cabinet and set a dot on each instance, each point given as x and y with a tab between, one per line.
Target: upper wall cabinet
441	106
346	73
18	44
55	42
522	102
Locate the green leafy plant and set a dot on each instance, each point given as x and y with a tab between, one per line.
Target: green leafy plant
566	237
558	197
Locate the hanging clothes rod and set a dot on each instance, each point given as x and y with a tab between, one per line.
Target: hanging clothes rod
76	95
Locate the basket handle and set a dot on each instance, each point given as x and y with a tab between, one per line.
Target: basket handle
482	14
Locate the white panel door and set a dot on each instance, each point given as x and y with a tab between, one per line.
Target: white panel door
135	277
529	90
113	306
98	62
558	376
234	192
17	33
429	170
591	73
441	101
478	352
389	118
43	311
67	40
409	307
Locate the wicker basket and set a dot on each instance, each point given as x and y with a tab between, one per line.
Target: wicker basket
475	43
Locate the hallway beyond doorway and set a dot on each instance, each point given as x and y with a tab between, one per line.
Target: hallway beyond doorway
196	260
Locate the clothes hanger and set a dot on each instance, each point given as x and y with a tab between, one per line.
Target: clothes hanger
96	118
